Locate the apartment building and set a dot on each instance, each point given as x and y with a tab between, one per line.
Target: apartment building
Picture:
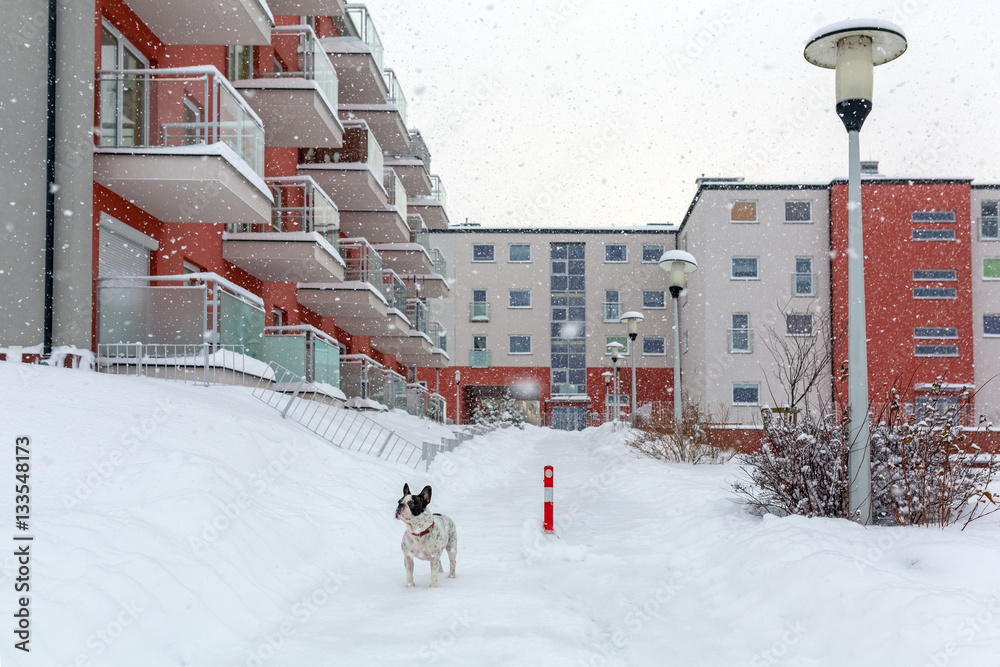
247	183
763	319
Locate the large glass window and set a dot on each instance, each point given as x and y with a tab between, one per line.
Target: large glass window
519	298
241	62
991	268
569	314
805	281
935	292
799	324
651	253
654	345
616	254
483	252
746	393
519	252
935	274
933	235
991	325
654	299
123	98
798	211
989	222
744	268
740	340
520	344
743	211
612	306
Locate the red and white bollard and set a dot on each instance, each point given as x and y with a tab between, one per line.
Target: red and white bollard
549	520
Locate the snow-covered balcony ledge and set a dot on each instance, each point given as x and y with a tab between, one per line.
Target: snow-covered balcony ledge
387	120
353	175
185	22
432	208
359	58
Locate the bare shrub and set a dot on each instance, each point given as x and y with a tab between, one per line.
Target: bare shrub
701	444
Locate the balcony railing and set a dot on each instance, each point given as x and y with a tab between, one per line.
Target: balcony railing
174	108
395	290
438	334
395	390
363	263
421	236
305	351
804	284
437	189
740	341
438	262
479	358
397	193
314	64
417	312
479	311
395	95
299	206
362	377
194	308
364	29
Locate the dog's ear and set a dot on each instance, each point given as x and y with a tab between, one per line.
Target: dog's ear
406	489
426	495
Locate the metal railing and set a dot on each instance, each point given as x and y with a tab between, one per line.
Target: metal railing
438	334
421	236
395	390
300	205
395	191
479	311
205	364
417	312
361	376
437	189
306	351
177	107
363	263
479	358
438	262
395	95
314	64
364	29
804	284
740	341
394	290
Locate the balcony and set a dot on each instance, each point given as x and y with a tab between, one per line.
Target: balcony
335	8
182	145
358	57
298	108
387	120
479	311
300	244
407	259
804	284
479	358
431	208
384	224
352	175
415	345
431	285
178	22
358	305
308	353
740	341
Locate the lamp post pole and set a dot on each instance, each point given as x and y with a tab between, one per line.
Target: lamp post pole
853	49
458	397
607	392
632	319
615	348
677	264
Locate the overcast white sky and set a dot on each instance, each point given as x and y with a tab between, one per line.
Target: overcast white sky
599	113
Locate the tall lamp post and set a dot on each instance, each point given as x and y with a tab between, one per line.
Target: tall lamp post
677	264
616	348
632	319
607	390
458	397
853	48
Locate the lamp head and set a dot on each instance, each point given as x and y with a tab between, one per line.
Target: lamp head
677	264
616	349
632	319
458	376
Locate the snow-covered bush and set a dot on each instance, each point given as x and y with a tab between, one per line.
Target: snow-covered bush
926	469
499	411
701	444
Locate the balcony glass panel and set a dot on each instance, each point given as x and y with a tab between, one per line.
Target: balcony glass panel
437	189
241	323
416	312
314	63
479	358
170	108
395	290
288	351
364	27
395	96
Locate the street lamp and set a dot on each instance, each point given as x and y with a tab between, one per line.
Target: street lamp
458	397
616	349
607	390
853	48
677	264
632	319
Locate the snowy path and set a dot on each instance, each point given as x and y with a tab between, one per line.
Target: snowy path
180	525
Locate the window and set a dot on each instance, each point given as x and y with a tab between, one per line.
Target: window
935	293
933	216
240	62
991	268
479	296
612	306
746	393
654	299
743	211
654	345
989	223
924	405
520	344
935	350
483	252
123	101
519	298
740	336
799	324
616	254
479	342
520	252
935	332
933	235
651	253
616	339
278	317
991	325
798	211
804	282
935	274
479	309
744	268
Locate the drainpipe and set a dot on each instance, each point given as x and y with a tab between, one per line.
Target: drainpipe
50	179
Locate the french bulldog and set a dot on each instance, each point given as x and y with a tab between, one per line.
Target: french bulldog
426	536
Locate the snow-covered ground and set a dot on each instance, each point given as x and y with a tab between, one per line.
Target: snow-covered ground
184	525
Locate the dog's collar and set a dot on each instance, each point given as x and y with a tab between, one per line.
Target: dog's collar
425	532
